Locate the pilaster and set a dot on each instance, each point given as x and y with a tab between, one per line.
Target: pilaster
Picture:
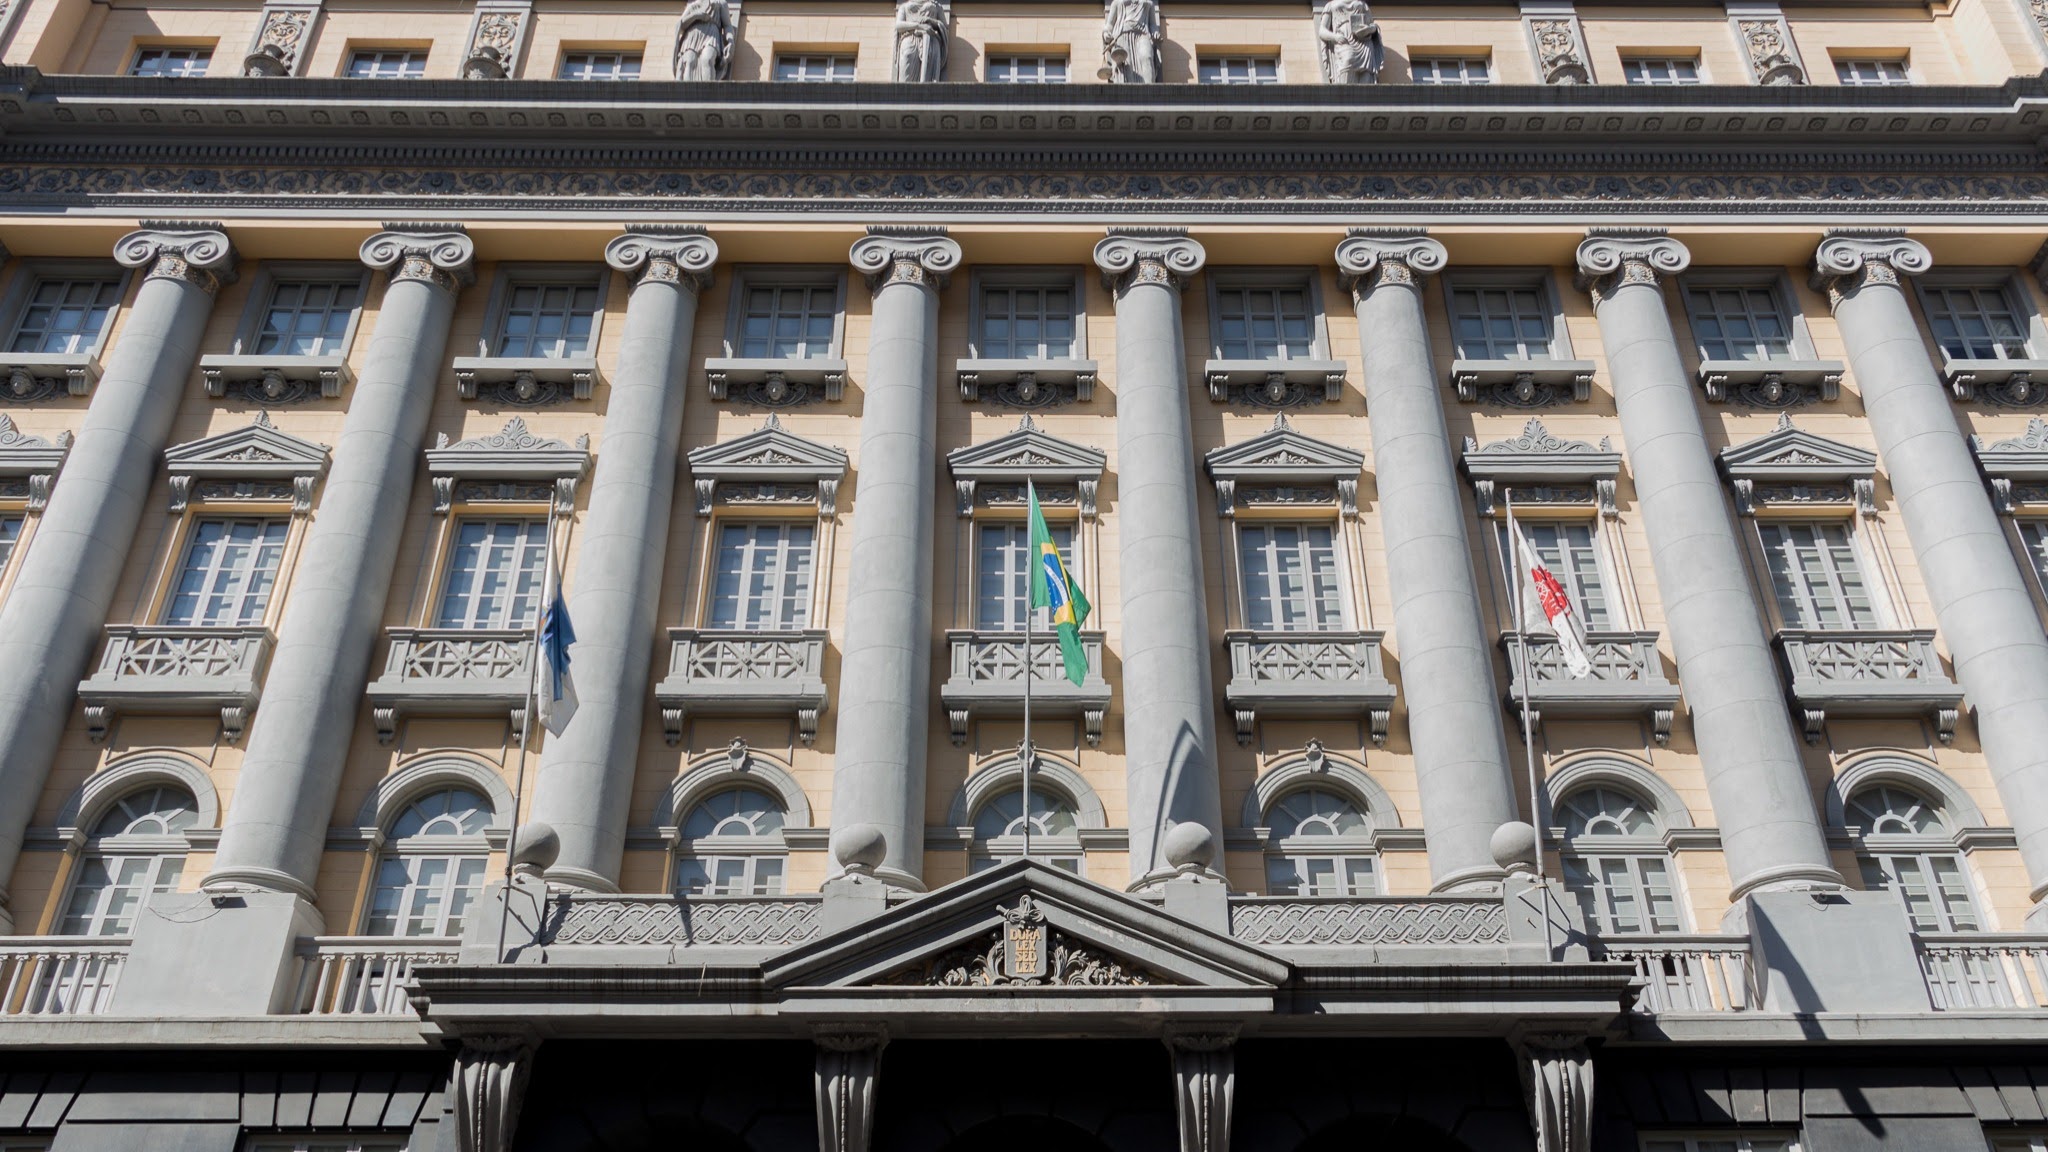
1454	714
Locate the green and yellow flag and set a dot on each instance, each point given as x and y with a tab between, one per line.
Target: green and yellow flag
1052	588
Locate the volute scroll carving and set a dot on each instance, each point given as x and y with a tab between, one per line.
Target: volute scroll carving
1368	261
1609	263
669	259
926	259
444	259
1131	258
1846	262
204	258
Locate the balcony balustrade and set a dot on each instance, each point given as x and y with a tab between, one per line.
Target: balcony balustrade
164	669
1687	973
1973	970
364	975
452	672
986	678
1307	674
60	975
1627	679
1868	673
737	673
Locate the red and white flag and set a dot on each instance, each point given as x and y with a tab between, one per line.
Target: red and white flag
1546	608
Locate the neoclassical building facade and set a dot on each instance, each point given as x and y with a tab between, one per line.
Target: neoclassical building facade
338	336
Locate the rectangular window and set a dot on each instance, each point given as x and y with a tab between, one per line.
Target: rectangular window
1027	69
10	535
110	889
1662	70
229	570
729	876
1026	322
308	317
1256	322
1936	892
788	321
1816	577
495	572
1872	73
1238	70
179	62
1500	321
814	67
762	576
1718	1142
1290	577
1450	70
1298	875
1623	894
387	64
1732	322
548	321
1572	554
1002	564
424	895
1975	322
600	66
65	316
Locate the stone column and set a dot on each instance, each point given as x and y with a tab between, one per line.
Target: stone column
885	665
586	774
1979	595
1770	832
298	744
1454	712
1169	702
53	614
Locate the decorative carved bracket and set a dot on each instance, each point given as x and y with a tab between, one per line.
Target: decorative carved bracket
1557	1078
849	1063
1204	1086
496	37
1559	43
488	1085
29	464
1767	45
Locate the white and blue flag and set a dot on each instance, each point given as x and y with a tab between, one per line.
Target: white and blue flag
557	690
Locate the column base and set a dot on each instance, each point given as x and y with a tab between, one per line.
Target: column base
1789	878
581	880
1487	880
216	954
256	879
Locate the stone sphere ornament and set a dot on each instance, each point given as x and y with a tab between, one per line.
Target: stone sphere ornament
1189	847
1514	847
860	848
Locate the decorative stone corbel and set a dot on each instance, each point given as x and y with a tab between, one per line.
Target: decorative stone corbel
280	39
496	36
849	1062
1558	41
1557	1079
1766	43
1204	1085
488	1085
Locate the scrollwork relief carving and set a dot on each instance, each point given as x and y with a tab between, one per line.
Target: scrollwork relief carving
1849	263
203	259
1127	259
1608	263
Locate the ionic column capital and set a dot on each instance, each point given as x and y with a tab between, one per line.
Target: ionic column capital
446	260
1607	263
1365	262
923	258
1847	261
664	258
1128	258
204	258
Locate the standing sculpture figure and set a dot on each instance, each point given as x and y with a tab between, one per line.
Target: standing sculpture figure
1130	42
920	42
1351	48
704	39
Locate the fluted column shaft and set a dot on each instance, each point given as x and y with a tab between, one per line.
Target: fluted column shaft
1770	832
1454	712
60	597
1979	595
1170	769
298	744
885	669
586	774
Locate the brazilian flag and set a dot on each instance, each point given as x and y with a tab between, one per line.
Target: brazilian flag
1052	588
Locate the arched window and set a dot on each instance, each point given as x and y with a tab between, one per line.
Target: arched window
732	846
1615	862
135	851
1908	845
999	828
433	865
1321	846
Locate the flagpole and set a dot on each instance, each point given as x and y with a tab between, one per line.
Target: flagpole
540	618
1030	571
1515	565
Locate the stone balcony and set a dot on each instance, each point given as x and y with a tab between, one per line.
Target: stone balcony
2006	382
172	669
728	672
1307	674
986	678
452	672
526	380
775	382
30	376
1274	383
1627	679
276	379
1868	672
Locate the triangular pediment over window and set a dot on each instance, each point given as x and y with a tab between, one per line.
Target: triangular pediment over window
1283	453
1021	928
1790	453
1027	453
770	452
253	450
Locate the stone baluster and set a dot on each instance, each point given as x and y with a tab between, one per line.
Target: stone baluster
885	671
1973	582
298	744
586	773
1454	713
1170	768
1770	832
66	582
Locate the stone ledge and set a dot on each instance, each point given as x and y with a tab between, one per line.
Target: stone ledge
130	1033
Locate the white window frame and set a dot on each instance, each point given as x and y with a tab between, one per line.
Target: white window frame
20	296
1228	68
2019	1142
2033	534
1850	71
505	619
1588	853
1635	70
746	279
983	280
1305	280
1799	340
1612	602
10	543
263	290
411	62
825	63
1512	279
1463	62
1059	851
514	277
453	849
1340	572
750	851
160	849
1875	587
2032	328
1013	621
1039	60
613	62
1341	852
1882	852
242	574
804	613
192	52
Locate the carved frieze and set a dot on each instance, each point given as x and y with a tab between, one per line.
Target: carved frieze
1025	951
1560	49
281	36
1767	46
